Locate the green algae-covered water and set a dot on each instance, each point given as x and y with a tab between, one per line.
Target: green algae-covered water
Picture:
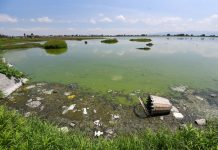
101	67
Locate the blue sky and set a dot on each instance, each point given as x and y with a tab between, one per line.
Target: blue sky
107	17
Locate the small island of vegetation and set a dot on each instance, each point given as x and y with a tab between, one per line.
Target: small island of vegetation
55	44
149	44
141	40
144	48
109	41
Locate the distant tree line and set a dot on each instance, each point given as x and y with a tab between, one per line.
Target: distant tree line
202	35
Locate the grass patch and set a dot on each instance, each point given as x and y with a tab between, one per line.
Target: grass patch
18	132
141	40
10	71
109	41
55	44
19	42
19	46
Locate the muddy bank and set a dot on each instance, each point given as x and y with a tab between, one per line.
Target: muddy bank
77	108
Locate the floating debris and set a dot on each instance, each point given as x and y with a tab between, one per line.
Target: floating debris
41	84
67	93
178	115
42	108
181	88
27	114
161	118
30	100
30	87
98	133
85	111
71	107
72	124
199	98
200	122
95	111
174	109
64	129
34	104
97	123
109	131
71	96
115	117
132	94
39	98
48	92
109	91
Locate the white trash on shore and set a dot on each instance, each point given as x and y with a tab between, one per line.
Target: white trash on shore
98	133
71	107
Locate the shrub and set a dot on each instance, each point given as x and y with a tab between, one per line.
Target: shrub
10	71
55	44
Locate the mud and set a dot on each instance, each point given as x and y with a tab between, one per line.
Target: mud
91	112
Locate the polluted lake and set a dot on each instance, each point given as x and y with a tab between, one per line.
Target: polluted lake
109	89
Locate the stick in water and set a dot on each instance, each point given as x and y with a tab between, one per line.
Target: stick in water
143	105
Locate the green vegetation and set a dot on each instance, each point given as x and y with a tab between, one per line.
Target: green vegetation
149	44
20	42
141	40
109	41
144	48
1	94
10	71
18	46
55	44
18	132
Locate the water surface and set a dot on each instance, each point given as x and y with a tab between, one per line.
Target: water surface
171	61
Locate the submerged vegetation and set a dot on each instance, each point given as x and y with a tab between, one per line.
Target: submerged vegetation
109	41
141	40
10	71
56	51
18	132
55	44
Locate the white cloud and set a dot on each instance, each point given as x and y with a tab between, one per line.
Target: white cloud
213	19
44	20
92	21
161	20
6	18
106	19
121	18
32	20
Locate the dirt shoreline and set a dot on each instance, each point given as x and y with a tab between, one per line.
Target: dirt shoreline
51	101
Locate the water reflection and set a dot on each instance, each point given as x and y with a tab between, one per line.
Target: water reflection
56	51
